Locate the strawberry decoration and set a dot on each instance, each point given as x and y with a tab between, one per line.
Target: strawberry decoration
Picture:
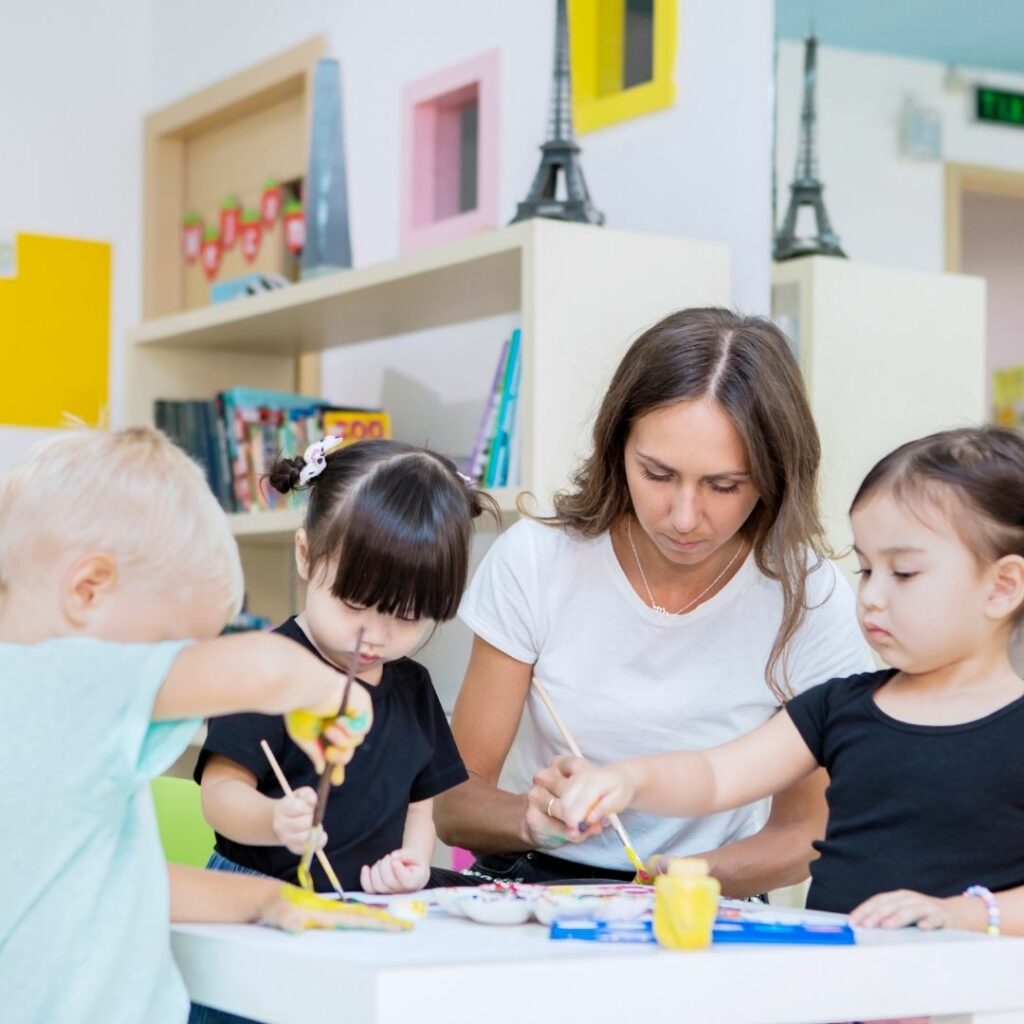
191	237
270	202
211	252
294	226
251	234
230	216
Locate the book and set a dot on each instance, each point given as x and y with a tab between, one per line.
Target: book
357	424
236	436
476	467
498	466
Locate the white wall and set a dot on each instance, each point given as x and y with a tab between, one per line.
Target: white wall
699	170
886	208
78	80
72	85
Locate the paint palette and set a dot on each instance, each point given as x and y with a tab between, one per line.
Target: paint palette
510	904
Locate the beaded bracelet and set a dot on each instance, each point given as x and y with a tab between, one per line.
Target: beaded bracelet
986	897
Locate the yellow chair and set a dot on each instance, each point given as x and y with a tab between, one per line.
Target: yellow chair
186	837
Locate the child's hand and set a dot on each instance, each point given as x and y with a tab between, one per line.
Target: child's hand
903	907
325	736
293	818
590	794
400	871
294	910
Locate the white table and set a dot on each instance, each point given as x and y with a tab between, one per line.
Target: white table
455	972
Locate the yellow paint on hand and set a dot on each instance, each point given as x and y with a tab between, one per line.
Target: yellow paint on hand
348	914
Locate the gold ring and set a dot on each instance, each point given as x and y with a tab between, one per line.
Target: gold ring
551	800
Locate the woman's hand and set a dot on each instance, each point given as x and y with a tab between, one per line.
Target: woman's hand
587	795
399	871
541	830
293	818
903	907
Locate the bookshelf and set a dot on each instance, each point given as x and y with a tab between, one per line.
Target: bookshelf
888	354
580	294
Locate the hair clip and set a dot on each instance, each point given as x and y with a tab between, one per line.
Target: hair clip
467	480
315	458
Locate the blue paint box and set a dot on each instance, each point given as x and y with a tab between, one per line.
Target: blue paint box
724	932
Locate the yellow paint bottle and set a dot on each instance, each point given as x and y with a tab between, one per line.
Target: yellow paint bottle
685	904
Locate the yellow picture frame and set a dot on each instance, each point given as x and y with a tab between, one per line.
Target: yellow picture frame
596	30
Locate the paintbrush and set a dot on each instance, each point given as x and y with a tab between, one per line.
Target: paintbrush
324	786
634	858
320	855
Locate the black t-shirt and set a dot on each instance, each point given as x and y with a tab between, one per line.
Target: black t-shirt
924	807
408	755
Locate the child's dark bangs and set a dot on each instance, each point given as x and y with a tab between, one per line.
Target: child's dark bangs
405	568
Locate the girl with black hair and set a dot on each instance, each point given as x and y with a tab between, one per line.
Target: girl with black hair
384	549
926	797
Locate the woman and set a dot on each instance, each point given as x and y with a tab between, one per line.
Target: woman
686	565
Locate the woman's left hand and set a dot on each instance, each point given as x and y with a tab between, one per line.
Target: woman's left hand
903	907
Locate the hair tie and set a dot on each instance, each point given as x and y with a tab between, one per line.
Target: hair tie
315	458
467	480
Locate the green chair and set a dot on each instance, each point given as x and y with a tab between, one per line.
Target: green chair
186	837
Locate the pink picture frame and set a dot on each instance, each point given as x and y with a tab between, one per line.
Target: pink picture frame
431	109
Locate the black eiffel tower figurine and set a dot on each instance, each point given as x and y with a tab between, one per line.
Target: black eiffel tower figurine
560	154
807	189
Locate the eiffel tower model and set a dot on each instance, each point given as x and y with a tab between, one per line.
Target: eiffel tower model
560	154
807	189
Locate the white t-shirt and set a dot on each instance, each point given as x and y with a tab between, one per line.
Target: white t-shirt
629	681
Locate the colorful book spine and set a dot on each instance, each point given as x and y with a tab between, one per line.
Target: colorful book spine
498	457
357	424
476	468
237	436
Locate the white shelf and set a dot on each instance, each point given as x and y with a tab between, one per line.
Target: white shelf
887	354
580	294
464	280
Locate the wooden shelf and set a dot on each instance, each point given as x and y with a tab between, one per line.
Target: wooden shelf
464	280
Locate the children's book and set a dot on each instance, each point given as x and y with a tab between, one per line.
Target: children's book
476	468
357	424
498	464
236	437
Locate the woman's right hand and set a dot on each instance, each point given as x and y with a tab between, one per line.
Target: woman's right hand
293	818
541	830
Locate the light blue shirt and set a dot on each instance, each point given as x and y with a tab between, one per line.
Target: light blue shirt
84	903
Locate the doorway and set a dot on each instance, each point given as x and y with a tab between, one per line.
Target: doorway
985	238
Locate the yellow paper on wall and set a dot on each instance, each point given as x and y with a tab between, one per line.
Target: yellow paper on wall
55	332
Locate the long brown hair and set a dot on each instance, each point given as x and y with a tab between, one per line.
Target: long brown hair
745	365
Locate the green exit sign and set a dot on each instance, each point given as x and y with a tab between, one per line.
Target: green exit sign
999	106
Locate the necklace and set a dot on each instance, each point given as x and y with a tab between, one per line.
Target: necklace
657	607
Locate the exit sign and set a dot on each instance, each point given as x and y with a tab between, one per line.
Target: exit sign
999	106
